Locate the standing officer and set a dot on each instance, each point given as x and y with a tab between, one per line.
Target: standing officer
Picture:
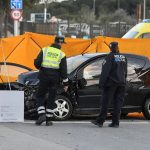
51	62
112	81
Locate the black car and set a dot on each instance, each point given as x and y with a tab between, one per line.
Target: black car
84	96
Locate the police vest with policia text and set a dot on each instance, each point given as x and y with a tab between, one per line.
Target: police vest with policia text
52	57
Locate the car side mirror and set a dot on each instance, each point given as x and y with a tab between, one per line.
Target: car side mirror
82	83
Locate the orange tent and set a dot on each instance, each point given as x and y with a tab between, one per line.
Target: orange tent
22	50
133	46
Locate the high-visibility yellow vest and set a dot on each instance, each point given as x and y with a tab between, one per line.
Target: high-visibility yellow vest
52	57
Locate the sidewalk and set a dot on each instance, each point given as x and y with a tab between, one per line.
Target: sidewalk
15	140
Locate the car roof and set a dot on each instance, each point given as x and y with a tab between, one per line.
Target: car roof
88	55
93	56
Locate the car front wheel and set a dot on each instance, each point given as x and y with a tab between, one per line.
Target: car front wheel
146	109
64	108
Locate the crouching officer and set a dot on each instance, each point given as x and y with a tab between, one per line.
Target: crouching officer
112	81
51	62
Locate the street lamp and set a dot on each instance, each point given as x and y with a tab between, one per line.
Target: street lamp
118	4
94	6
45	11
144	9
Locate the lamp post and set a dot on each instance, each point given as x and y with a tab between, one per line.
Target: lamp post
118	4
94	7
45	11
144	9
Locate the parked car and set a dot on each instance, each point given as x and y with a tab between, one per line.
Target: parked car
84	96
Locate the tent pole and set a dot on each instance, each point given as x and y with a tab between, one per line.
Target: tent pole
6	69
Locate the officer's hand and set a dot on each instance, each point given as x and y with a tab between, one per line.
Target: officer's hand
65	88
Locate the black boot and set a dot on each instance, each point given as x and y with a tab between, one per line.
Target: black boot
41	119
48	121
97	123
114	125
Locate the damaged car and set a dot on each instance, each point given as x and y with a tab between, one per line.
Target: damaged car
84	96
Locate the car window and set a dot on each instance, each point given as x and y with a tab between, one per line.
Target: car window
92	71
144	35
134	66
74	62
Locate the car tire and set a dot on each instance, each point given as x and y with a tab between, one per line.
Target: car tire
64	108
146	109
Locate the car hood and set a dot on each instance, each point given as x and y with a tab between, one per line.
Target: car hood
31	76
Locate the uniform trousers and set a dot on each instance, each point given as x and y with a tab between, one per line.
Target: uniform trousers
46	105
114	94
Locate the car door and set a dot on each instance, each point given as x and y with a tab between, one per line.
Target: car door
133	95
89	95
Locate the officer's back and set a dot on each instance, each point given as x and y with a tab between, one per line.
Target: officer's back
114	70
48	68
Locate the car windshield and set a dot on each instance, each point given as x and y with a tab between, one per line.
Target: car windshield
130	35
75	61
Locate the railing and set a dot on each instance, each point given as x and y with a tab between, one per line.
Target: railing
115	29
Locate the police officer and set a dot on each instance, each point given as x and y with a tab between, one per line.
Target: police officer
112	81
51	62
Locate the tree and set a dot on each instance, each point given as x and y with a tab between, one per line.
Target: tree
4	12
121	15
86	15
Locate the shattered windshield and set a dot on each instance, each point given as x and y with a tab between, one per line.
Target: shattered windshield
74	62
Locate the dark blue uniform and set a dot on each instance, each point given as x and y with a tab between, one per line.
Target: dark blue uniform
113	81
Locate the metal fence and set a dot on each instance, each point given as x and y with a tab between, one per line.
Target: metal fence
79	30
65	27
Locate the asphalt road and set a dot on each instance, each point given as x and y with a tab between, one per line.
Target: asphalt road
76	134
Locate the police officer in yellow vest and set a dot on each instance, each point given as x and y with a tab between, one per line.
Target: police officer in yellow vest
51	62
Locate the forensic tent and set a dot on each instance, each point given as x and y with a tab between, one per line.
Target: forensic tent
19	52
132	46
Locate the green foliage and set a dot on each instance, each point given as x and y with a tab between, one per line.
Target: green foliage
120	15
82	10
4	5
29	3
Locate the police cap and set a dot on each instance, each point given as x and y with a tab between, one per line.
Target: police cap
59	39
113	45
